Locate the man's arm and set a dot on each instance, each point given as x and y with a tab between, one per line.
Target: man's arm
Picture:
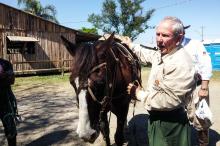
144	53
205	70
6	74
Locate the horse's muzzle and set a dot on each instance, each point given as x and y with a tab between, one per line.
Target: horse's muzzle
91	138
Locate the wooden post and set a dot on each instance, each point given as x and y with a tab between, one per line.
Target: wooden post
62	63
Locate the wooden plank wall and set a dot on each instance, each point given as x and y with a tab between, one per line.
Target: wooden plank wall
50	51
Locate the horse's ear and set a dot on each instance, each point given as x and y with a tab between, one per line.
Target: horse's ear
69	45
110	39
107	43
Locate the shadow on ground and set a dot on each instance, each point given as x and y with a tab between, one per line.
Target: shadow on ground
50	138
49	116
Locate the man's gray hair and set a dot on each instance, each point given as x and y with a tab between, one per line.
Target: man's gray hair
177	25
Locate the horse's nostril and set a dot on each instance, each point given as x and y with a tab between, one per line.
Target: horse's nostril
90	138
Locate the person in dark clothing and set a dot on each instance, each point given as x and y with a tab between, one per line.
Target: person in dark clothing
8	104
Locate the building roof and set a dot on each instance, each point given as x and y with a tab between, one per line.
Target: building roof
80	34
22	39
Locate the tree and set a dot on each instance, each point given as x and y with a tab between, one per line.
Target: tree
89	30
125	17
34	6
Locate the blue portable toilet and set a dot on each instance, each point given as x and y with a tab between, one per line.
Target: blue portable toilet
214	52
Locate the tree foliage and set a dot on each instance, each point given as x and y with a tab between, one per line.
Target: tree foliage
89	30
125	17
34	6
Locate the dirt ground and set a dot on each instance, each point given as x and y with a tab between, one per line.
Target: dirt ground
50	117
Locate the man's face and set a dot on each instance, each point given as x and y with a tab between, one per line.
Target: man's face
166	41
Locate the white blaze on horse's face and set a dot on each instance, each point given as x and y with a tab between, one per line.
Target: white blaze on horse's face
84	129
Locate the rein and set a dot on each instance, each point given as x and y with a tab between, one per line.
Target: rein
133	61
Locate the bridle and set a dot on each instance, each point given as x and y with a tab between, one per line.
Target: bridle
85	85
89	88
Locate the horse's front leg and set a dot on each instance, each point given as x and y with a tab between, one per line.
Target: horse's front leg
121	121
104	127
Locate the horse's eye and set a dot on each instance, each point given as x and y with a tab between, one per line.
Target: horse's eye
97	71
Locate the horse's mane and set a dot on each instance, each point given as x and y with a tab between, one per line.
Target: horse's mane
83	60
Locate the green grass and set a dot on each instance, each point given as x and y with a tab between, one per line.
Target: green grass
146	70
21	81
215	76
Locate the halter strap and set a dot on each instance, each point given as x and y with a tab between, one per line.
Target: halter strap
97	67
92	95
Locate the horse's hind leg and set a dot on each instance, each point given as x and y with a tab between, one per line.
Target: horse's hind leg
104	127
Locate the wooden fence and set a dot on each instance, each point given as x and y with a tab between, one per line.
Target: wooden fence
62	67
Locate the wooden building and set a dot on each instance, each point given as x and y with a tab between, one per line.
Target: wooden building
33	44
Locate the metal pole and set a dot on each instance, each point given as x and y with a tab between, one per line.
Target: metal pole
202	27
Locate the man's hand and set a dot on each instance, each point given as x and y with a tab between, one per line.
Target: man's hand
130	85
203	93
127	41
204	90
132	89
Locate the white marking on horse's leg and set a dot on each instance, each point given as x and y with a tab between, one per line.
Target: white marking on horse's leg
77	82
84	130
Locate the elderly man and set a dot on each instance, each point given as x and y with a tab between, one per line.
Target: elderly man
170	86
8	107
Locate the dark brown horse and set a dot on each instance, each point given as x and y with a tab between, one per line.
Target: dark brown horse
101	72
